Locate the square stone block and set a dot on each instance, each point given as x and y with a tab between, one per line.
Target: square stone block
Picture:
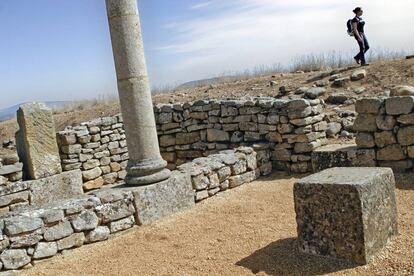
347	213
159	200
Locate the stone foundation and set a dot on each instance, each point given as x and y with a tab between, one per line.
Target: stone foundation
285	132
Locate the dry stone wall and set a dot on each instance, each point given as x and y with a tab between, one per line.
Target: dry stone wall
33	234
282	132
386	131
11	169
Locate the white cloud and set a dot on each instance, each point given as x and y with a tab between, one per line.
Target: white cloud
200	5
239	34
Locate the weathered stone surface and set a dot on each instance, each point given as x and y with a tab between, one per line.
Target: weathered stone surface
402	90
215	135
391	153
45	250
87	220
407	119
14	258
336	155
386	122
365	140
114	211
358	74
14	198
163	199
122	224
368	105
8	169
54	188
237	180
346	212
315	92
91	174
399	105
21	224
25	240
384	138
36	142
58	231
101	233
405	135
333	129
366	122
307	147
400	166
74	240
94	184
201	195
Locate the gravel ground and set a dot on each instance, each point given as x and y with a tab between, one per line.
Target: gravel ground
244	231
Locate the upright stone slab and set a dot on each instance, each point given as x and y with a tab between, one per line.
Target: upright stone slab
36	141
162	199
346	213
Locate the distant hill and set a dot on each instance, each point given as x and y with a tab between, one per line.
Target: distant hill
196	83
10	112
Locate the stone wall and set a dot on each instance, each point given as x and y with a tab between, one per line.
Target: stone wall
386	130
32	234
286	131
11	169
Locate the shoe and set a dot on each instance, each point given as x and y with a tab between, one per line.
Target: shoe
357	60
365	64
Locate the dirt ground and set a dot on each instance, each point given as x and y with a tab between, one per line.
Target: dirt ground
244	231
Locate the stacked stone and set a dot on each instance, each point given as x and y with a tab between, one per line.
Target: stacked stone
292	128
11	170
37	234
221	171
386	131
98	148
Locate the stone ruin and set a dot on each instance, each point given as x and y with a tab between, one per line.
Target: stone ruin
107	175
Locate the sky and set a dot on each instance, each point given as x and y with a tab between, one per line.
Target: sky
53	50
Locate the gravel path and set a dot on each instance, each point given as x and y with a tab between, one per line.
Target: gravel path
243	231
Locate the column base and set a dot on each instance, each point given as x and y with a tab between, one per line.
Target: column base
146	172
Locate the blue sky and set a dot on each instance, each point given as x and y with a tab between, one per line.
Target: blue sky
60	49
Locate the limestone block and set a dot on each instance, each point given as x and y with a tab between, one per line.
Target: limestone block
114	211
281	154
25	240
122	224
58	231
45	250
36	143
215	135
9	169
358	74
101	233
386	122
74	240
14	198
91	174
54	188
87	220
406	119
307	147
21	224
187	138
405	135
162	199
237	180
201	195
365	140
346	212
384	138
391	153
402	90
200	182
399	105
366	122
14	258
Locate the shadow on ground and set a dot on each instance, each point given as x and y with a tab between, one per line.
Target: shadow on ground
283	258
279	175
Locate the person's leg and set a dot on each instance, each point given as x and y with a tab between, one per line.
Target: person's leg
357	57
366	44
361	55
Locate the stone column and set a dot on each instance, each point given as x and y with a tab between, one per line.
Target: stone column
145	164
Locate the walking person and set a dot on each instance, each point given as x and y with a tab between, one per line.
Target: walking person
358	25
